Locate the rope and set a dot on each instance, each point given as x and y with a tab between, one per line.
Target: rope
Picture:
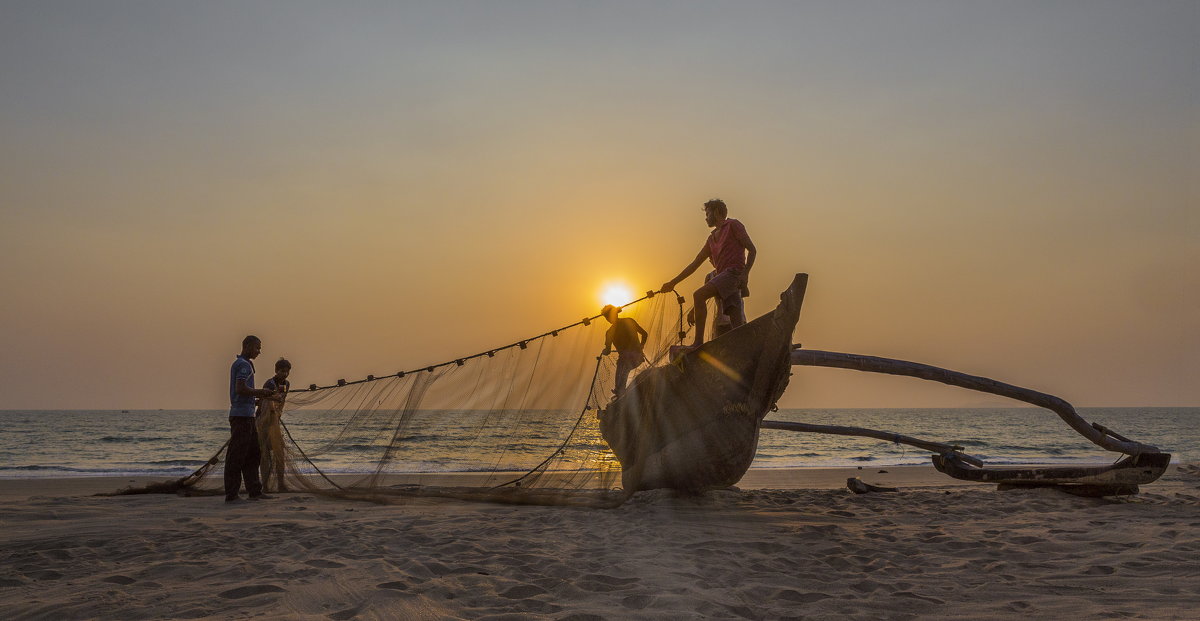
587	402
306	457
559	450
523	343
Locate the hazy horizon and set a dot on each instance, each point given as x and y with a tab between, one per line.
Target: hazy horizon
1004	189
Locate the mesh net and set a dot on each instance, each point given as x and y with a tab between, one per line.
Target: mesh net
517	423
533	421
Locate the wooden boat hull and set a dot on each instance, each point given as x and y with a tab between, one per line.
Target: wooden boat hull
693	424
1129	472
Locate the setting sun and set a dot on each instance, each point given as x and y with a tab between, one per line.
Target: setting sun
616	294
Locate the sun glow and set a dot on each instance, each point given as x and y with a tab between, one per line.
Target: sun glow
617	294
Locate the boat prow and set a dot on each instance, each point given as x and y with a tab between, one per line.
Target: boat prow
693	424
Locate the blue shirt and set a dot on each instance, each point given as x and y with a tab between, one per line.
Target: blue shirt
241	405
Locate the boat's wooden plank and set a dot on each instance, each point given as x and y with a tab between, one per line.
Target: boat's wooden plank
1133	470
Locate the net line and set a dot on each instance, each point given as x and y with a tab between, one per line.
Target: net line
516	423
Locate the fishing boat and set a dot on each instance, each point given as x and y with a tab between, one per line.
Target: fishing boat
694	424
688	422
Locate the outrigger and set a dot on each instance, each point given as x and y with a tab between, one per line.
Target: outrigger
693	424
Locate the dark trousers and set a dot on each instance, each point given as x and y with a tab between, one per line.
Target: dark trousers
626	361
242	457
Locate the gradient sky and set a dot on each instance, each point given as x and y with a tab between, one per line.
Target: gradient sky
1003	188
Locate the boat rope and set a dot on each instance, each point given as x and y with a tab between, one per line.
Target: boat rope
523	344
582	412
305	456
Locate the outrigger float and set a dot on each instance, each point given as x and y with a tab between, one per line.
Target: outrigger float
693	424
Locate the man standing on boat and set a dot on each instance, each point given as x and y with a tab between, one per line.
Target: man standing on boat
732	254
630	340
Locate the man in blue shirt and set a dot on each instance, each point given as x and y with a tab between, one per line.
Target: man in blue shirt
242	457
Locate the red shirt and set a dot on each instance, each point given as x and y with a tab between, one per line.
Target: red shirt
725	250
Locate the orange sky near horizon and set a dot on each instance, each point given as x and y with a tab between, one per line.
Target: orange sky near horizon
1002	189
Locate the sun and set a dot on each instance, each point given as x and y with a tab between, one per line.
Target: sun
617	294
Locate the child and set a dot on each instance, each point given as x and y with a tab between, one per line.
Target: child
269	432
630	340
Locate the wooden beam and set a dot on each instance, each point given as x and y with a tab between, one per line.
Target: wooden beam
1100	437
934	447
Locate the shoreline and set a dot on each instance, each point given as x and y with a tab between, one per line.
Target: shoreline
809	478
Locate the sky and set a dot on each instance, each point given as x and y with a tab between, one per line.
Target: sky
1007	189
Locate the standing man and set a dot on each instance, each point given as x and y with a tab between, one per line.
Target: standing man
242	456
732	255
630	340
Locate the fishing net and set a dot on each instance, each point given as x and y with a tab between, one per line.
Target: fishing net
517	422
532	421
540	420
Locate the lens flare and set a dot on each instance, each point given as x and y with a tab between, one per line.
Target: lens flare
617	294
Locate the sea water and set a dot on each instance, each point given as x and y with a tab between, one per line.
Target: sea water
166	443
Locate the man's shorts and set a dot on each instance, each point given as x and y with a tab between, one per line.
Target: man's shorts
729	289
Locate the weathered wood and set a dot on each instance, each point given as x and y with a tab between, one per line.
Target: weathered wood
692	424
935	447
1100	437
858	486
1132	470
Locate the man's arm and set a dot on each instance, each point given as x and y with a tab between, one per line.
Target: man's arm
608	337
751	251
243	389
687	271
642	335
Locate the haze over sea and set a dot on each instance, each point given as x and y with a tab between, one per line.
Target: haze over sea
167	443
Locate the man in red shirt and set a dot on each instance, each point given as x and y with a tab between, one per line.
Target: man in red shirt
732	255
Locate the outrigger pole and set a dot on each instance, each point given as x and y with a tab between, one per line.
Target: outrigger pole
1145	464
1098	434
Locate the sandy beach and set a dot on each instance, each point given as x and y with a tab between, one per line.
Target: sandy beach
786	544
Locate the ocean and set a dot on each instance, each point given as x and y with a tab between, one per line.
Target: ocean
168	443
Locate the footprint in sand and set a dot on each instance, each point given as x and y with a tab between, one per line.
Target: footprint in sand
324	564
44	575
395	586
522	592
247	591
10	582
118	579
803	598
342	615
637	602
600	583
932	600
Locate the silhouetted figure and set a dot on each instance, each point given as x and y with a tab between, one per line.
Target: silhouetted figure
242	456
630	340
732	255
723	322
270	434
